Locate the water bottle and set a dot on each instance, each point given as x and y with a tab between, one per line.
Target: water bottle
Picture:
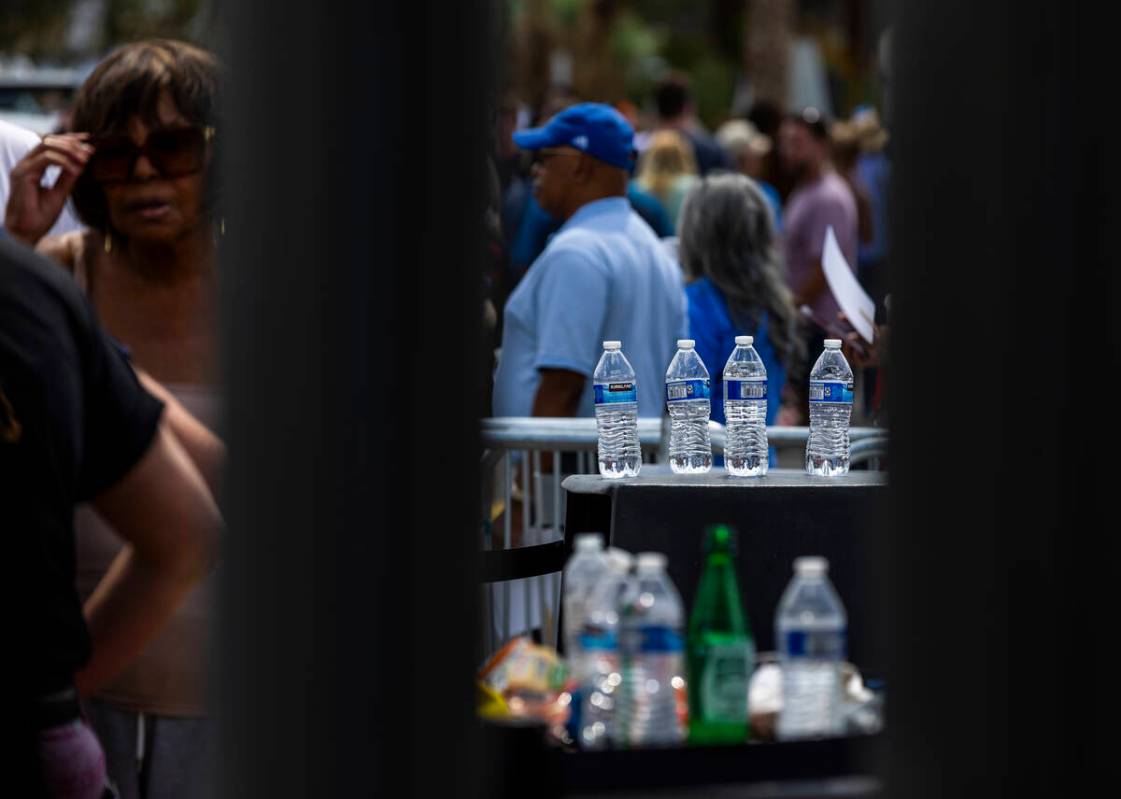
616	395
687	399
652	649
584	569
745	411
827	448
811	624
721	650
599	672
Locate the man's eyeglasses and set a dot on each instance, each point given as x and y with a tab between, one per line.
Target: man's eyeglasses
541	156
174	152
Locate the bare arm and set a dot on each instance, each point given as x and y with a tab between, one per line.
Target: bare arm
812	285
559	393
164	511
205	449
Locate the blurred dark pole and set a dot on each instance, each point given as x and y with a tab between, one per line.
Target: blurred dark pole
769	25
1000	581
856	26
538	40
354	146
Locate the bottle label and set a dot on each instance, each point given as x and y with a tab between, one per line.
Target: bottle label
598	641
745	389
659	639
724	680
831	391
610	393
815	644
682	390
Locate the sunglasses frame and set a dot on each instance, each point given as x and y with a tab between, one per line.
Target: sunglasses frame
157	161
545	153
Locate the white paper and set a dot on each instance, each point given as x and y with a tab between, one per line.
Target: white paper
852	298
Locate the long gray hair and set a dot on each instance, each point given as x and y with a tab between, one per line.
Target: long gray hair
727	234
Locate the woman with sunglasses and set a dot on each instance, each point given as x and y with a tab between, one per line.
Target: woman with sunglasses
140	170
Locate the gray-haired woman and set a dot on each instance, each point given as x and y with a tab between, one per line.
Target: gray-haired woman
728	249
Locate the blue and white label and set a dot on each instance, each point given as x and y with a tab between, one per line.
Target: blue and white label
684	390
745	389
610	393
599	641
830	391
816	644
656	638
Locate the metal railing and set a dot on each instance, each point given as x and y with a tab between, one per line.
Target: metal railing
579	435
520	500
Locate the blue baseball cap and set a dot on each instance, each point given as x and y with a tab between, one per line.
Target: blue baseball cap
594	128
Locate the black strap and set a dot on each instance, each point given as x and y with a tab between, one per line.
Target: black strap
55	709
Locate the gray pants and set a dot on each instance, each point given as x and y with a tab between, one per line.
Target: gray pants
155	757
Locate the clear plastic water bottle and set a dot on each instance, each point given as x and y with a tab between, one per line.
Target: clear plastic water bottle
827	448
584	569
616	395
811	624
745	411
687	399
653	662
600	673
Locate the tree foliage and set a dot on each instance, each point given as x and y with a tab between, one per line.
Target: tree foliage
30	26
39	28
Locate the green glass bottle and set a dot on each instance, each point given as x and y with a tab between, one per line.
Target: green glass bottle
721	651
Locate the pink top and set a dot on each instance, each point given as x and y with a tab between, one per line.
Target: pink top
169	676
810	211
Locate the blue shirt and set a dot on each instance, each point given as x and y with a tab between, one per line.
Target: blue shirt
535	226
771	193
603	276
650	208
874	171
711	326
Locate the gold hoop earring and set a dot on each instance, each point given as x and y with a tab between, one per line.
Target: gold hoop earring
108	242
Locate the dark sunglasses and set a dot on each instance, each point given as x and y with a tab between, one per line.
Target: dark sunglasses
543	155
174	152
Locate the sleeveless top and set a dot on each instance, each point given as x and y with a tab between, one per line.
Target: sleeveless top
169	678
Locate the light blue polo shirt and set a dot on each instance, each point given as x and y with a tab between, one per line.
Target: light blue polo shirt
603	276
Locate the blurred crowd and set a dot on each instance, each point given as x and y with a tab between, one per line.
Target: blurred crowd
742	212
109	404
603	223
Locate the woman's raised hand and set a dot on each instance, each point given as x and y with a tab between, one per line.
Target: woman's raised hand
32	207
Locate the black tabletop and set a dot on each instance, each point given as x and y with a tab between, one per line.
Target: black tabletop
779	517
660	476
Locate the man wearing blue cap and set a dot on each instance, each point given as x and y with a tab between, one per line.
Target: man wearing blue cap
603	276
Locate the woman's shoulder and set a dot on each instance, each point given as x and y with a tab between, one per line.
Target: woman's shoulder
706	304
75	251
68	249
701	288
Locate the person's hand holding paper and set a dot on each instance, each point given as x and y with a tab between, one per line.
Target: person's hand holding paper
847	291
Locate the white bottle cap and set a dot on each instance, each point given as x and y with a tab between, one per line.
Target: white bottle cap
686	343
619	560
589	542
811	565
744	341
651	562
832	343
613	345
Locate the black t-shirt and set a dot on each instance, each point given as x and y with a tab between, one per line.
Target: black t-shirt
73	421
